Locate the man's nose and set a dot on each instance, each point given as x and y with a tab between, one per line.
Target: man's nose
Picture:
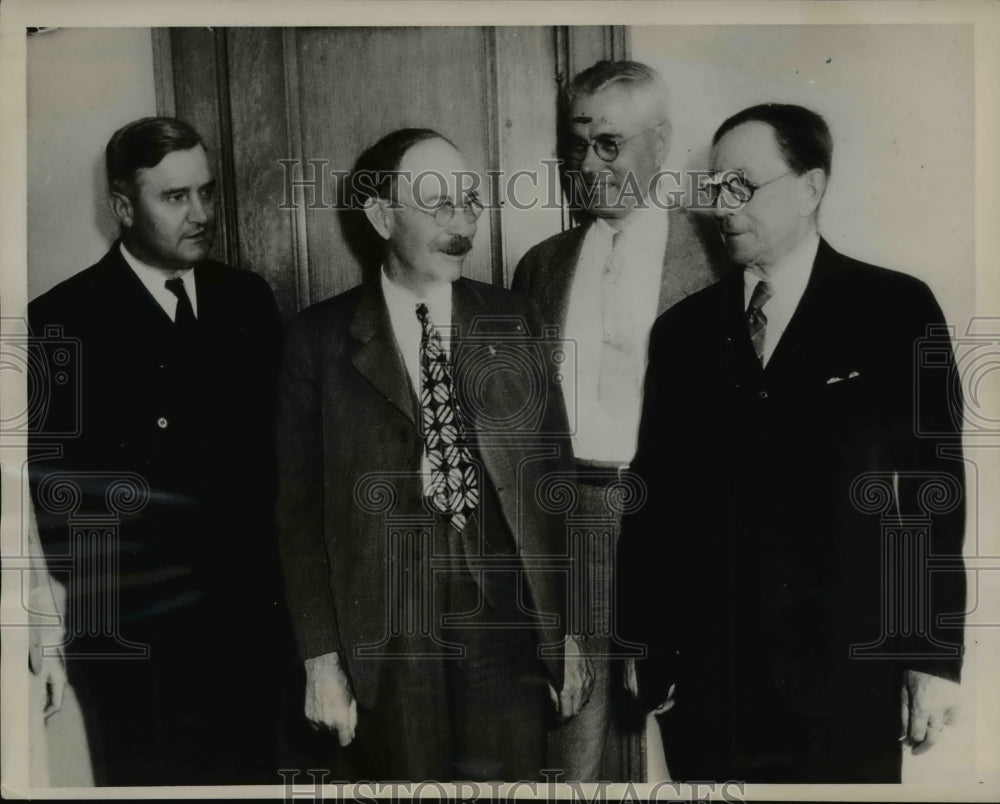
459	225
592	163
720	209
199	210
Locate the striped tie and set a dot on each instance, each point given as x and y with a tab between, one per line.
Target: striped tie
454	489
756	320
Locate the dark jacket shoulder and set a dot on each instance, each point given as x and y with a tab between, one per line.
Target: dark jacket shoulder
541	256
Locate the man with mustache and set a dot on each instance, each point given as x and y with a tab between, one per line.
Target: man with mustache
157	478
413	545
603	283
801	443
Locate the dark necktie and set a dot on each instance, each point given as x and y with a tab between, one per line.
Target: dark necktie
756	320
184	317
454	488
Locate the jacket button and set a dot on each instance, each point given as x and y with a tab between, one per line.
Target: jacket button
162	423
762	394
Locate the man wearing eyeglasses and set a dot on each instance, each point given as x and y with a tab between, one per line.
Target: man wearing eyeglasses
603	283
412	542
804	463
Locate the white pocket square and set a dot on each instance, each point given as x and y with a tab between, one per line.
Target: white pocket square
850	376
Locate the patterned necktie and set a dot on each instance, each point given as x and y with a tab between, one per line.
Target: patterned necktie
184	317
756	320
454	489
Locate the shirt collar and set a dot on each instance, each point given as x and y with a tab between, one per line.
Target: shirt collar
645	230
789	275
402	301
155	281
147	272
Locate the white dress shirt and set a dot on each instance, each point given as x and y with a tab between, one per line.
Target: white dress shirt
788	277
406	328
155	281
604	434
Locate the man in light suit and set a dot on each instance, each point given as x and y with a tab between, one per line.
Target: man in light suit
803	461
602	284
155	475
412	541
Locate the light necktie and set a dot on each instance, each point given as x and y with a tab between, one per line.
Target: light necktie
454	489
184	316
617	377
756	320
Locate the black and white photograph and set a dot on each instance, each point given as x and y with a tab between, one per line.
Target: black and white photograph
500	400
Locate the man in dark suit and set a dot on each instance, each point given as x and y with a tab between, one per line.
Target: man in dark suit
156	481
798	566
602	284
413	544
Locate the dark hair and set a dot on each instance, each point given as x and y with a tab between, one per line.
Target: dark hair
373	177
374	172
143	144
605	73
802	135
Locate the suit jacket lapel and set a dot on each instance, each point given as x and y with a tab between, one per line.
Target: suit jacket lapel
500	463
689	262
131	299
742	357
206	294
560	277
378	359
811	319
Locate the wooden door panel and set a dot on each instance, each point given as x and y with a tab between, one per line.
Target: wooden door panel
259	108
261	95
358	84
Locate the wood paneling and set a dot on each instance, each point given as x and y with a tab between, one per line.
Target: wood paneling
197	85
262	95
163	72
527	92
260	140
358	84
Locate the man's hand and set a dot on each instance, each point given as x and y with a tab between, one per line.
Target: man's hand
54	673
578	680
632	685
330	701
929	704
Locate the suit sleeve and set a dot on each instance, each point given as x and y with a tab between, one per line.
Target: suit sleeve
521	283
643	561
931	483
300	507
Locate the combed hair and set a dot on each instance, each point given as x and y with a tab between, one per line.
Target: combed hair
373	177
802	135
143	144
376	168
633	74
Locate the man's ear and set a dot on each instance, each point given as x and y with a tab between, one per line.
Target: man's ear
121	206
815	188
380	217
664	133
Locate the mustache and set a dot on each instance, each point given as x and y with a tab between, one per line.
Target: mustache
457	246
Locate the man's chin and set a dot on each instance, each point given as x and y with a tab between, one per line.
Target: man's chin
450	268
194	250
614	212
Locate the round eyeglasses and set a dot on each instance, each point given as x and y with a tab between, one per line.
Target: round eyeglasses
445	211
606	146
734	185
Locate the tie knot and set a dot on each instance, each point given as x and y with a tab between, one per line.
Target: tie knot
423	314
176	286
761	293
